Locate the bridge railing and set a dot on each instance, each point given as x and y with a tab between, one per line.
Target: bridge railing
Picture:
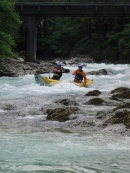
77	1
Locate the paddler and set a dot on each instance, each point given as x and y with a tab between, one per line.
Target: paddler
57	72
80	75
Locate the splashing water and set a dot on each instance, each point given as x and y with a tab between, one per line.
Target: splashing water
62	151
25	86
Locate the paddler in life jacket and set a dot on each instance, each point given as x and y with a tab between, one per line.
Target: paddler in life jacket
79	75
57	72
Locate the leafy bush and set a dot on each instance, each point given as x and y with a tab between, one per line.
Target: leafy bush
9	25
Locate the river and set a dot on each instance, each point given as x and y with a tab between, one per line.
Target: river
29	143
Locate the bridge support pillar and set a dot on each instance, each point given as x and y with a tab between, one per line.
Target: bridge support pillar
32	23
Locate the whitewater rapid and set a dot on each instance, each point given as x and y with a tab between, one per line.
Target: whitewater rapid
27	144
16	87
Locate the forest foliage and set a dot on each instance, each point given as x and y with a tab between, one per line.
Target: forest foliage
102	38
9	26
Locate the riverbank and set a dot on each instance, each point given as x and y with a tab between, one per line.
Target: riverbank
18	67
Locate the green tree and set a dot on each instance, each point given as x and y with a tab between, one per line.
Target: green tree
124	43
118	45
9	25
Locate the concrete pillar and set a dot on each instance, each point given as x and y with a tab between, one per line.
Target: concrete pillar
32	22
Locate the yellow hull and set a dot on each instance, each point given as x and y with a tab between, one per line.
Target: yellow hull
89	82
50	81
42	80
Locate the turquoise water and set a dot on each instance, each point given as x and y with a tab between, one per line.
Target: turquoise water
64	152
51	150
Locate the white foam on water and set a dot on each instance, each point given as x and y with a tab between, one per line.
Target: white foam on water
26	86
53	151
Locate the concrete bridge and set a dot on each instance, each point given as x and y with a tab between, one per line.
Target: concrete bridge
34	9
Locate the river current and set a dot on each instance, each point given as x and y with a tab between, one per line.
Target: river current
59	150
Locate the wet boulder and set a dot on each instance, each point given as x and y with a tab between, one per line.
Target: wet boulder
121	93
60	114
97	73
120	90
93	93
120	117
95	101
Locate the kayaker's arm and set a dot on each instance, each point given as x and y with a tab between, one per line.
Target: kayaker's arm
53	71
56	70
74	72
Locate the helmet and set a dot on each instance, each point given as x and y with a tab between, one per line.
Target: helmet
59	65
80	66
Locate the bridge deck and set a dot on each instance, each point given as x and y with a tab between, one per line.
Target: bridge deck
77	1
72	9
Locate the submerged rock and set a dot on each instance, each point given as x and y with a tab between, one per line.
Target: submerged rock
60	114
67	102
93	93
121	106
9	107
100	114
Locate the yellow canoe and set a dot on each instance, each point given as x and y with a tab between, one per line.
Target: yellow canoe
42	80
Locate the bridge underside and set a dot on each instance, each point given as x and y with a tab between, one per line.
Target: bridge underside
74	10
35	10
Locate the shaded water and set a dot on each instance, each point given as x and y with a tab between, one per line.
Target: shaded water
47	150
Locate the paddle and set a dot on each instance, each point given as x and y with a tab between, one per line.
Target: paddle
49	75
